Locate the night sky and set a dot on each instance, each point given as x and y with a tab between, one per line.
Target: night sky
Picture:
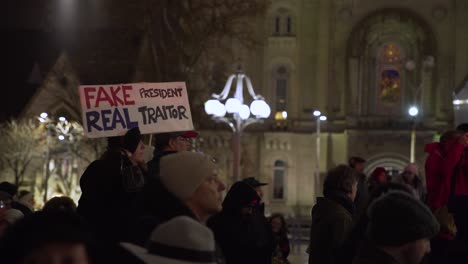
37	32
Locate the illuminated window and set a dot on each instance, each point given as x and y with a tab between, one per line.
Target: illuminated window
390	54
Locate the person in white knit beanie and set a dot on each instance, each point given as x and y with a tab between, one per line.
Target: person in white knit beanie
181	240
193	179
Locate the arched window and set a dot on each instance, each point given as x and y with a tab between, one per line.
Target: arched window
288	25
389	68
281	88
283	23
277	25
279	175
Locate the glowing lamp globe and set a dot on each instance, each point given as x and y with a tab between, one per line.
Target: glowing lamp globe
265	110
210	106
413	111
256	107
284	114
233	105
219	110
244	112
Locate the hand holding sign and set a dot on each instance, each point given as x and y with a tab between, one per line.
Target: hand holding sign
110	110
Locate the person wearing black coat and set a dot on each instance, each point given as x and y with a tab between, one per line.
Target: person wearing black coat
110	186
241	229
332	215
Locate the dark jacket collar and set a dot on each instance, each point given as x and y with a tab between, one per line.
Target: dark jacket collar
342	200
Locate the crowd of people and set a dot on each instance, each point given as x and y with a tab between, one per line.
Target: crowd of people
172	210
383	219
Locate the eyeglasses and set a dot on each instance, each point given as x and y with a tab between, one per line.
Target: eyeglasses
184	139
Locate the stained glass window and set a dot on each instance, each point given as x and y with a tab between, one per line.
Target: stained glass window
389	71
389	86
390	54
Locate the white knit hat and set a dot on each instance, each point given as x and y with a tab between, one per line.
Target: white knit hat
182	172
181	240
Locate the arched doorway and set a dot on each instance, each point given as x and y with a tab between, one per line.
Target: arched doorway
392	162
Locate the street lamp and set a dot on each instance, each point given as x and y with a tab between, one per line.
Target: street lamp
239	115
319	117
44	118
60	129
413	112
427	64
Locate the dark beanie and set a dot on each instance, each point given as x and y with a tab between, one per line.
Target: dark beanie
9	188
397	218
131	139
114	143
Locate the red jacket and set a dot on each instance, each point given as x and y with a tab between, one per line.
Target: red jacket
434	175
457	155
440	166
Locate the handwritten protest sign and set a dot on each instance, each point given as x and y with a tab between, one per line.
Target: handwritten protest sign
110	110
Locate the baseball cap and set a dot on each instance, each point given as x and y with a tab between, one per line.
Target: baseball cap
162	139
252	182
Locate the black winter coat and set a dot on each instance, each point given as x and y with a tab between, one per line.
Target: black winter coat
244	238
332	222
110	187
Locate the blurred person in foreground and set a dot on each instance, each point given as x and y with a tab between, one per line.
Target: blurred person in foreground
400	227
47	237
181	240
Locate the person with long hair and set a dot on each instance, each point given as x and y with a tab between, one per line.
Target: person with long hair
280	234
111	185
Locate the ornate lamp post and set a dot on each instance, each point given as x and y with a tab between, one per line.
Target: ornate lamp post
236	113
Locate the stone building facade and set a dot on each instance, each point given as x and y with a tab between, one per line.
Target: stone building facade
337	57
362	63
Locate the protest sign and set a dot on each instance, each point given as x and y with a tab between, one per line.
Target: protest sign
111	110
